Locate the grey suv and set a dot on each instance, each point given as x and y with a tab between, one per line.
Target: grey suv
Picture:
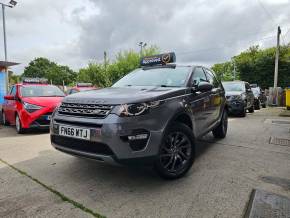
240	97
152	116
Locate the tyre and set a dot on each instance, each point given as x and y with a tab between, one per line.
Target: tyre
258	105
176	153
264	105
251	109
18	125
4	121
243	113
220	131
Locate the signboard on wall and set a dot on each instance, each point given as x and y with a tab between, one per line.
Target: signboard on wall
2	86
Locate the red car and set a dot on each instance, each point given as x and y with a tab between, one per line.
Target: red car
81	87
30	104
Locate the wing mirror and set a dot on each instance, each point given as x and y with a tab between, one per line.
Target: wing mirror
204	87
9	97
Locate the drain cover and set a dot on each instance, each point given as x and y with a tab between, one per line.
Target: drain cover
267	205
279	141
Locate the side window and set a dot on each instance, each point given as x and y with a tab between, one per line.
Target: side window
212	79
13	90
198	76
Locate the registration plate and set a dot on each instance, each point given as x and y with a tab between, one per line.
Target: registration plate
74	132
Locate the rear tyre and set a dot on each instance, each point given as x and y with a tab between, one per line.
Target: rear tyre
220	131
177	152
243	113
258	105
18	125
4	121
251	109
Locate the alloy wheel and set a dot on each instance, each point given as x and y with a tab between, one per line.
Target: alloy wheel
175	152
17	124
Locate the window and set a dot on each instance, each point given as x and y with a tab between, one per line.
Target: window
13	90
159	76
212	79
72	91
198	76
41	91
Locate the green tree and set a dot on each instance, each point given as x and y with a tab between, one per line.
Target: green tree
105	75
224	71
256	65
44	68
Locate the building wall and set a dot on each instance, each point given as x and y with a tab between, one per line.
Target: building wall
2	86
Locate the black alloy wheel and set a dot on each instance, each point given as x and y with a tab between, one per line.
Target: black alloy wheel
176	154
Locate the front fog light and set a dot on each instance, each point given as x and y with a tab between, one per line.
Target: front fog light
138	137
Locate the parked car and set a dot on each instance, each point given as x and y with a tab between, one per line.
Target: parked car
30	104
260	97
240	97
152	116
81	87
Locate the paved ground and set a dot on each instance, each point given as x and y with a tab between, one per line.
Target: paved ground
42	182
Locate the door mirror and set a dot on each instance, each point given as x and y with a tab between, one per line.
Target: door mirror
9	97
204	87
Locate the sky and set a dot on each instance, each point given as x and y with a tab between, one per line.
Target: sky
77	32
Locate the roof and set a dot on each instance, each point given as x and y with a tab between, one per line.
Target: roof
7	64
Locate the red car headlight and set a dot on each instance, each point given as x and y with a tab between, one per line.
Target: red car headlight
31	107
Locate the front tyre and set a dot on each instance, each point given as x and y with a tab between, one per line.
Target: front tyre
220	131
177	151
4	121
251	109
18	125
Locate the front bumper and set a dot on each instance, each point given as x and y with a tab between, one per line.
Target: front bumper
236	107
39	119
109	137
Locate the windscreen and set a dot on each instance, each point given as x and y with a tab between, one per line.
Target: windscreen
41	91
234	87
165	77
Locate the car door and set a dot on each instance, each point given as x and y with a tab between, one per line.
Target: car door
10	105
199	102
216	97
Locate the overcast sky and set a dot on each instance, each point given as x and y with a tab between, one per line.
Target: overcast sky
75	32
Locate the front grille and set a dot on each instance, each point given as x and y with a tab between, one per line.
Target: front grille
82	145
85	110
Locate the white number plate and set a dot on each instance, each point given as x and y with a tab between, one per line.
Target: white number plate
74	132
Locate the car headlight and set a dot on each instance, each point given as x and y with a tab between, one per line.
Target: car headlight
237	97
31	107
137	109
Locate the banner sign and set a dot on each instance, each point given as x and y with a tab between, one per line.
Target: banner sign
36	80
160	59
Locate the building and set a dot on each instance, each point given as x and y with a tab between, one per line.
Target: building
4	65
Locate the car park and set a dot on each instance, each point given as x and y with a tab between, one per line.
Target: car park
81	87
240	97
152	116
30	104
260	97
